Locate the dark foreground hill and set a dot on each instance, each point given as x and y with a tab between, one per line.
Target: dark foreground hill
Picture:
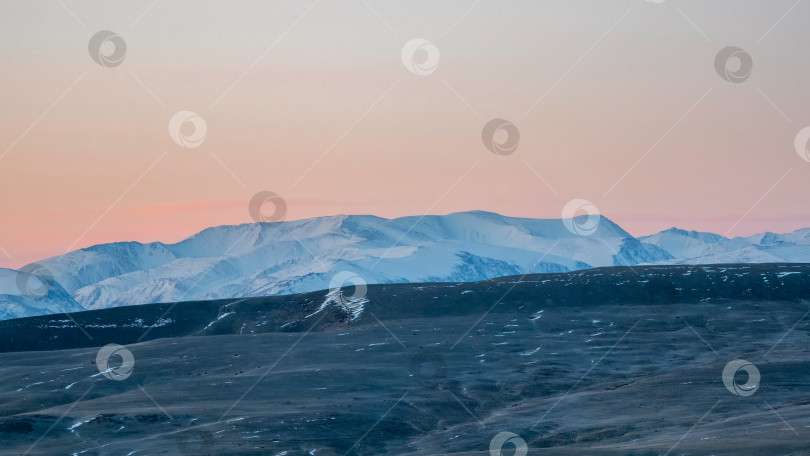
611	361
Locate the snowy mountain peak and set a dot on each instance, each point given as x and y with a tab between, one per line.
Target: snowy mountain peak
696	247
32	292
256	259
700	235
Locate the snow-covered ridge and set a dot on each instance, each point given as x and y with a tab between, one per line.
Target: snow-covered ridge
260	259
694	247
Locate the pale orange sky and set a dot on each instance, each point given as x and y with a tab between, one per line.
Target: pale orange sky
311	100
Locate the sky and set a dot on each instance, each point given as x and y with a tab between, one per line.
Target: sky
620	103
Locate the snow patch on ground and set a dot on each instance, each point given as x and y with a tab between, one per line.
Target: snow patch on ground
218	318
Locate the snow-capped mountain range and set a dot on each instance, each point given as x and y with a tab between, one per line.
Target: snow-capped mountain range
260	259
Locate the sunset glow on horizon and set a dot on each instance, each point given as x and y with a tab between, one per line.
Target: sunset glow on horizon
619	104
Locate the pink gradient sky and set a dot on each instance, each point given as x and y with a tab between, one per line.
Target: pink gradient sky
330	119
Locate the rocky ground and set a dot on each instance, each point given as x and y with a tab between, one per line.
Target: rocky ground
615	361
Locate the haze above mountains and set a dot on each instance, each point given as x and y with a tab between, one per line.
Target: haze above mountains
262	259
